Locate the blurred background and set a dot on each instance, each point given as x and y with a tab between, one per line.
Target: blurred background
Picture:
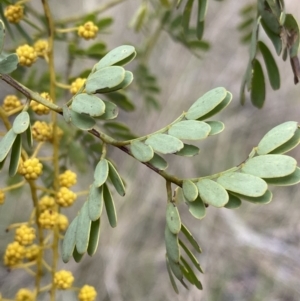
251	253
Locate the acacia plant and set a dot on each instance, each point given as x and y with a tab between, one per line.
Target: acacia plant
44	146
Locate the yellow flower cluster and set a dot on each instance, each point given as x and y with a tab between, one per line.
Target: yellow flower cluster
39	108
41	47
27	55
14	254
77	84
63	279
62	222
67	179
88	30
87	293
14	13
32	252
25	235
11	102
46	203
31	169
2	196
48	219
25	294
41	131
65	197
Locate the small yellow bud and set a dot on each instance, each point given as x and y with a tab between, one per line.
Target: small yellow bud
88	31
77	84
27	55
25	235
41	131
63	279
31	169
14	13
11	102
67	179
65	197
24	294
38	108
87	293
41	47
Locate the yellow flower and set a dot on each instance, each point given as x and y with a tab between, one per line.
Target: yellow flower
14	13
38	108
65	197
27	55
11	102
67	179
48	219
41	47
87	293
46	202
24	294
62	222
88	31
25	235
63	279
77	84
31	169
41	131
14	254
32	252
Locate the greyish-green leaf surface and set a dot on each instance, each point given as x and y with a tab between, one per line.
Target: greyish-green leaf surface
82	121
158	162
116	179
105	78
243	184
289	180
101	173
233	202
69	241
212	193
270	166
141	151
116	57
272	69
190	130
190	190
173	218
258	87
111	111
197	208
277	137
21	123
88	104
164	143
289	145
188	151
83	229
190	238
220	107
95	202
6	143
94	237
9	63
15	156
109	206
266	198
29	136
172	245
172	280
206	103
216	127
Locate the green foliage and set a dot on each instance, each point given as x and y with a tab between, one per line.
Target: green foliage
94	127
